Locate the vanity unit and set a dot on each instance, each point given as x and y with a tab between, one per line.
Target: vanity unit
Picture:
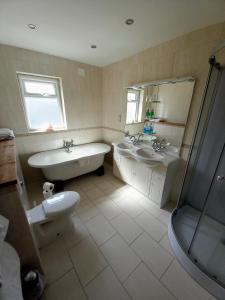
153	108
149	172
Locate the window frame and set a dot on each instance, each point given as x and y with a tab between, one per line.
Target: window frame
137	115
57	81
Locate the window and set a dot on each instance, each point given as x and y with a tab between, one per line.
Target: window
133	106
43	103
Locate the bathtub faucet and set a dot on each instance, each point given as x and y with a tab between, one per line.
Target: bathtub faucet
67	145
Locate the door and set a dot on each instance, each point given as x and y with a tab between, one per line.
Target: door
208	245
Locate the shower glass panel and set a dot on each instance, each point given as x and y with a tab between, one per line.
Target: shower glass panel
208	244
192	202
208	247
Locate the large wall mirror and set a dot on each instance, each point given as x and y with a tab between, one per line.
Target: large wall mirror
165	104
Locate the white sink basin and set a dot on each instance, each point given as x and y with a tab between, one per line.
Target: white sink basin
124	146
124	149
148	156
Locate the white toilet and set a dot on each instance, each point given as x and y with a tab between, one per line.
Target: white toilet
52	217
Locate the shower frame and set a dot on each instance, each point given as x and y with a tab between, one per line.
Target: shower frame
189	263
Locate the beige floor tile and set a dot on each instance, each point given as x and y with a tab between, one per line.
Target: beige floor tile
86	183
164	217
152	254
142	285
87	260
152	226
106	287
109	209
105	185
150	206
120	256
129	205
66	288
165	243
77	233
94	193
117	183
56	260
126	227
86	212
100	229
182	285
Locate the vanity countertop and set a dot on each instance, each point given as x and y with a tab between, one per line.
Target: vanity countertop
8	174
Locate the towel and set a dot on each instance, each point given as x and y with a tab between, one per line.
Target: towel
6	134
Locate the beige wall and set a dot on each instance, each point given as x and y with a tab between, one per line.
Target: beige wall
184	56
82	97
95	102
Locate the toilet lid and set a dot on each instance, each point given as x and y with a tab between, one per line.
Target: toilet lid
60	203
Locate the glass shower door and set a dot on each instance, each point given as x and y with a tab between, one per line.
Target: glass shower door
208	245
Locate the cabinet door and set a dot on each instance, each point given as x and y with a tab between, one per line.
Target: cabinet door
157	184
126	169
141	177
122	167
117	165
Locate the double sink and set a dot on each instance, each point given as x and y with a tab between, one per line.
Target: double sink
141	152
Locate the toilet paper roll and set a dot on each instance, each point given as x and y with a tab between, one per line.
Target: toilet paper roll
48	188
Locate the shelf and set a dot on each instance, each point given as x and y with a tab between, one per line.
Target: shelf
168	123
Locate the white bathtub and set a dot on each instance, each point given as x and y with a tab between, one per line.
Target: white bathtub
61	165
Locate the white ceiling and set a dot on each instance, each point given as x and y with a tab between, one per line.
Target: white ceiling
67	28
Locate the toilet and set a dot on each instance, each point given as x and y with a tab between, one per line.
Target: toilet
52	217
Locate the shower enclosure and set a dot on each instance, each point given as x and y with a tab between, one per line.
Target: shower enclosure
197	228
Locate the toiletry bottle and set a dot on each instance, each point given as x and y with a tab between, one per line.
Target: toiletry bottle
151	114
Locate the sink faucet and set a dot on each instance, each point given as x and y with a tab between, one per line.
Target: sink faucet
67	145
135	140
140	134
159	144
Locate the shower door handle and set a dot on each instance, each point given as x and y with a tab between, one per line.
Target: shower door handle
220	178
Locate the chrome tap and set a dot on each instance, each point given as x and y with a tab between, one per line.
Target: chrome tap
159	144
135	140
67	145
140	134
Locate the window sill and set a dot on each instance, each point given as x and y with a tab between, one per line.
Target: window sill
33	132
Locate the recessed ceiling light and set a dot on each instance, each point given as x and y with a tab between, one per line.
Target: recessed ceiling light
93	46
32	26
129	21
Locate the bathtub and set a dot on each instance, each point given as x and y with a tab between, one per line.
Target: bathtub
61	165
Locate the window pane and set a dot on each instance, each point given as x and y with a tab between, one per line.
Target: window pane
131	96
42	88
131	112
42	112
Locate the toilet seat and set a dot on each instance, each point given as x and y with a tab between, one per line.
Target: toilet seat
53	207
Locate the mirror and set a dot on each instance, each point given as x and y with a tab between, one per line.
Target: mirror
159	105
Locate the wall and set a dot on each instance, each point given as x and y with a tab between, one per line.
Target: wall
184	56
95	102
82	97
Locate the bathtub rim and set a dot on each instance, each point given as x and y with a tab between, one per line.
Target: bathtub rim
68	161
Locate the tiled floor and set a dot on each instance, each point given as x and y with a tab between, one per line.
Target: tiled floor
118	249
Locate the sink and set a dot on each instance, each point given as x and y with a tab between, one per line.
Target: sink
148	156
124	149
124	146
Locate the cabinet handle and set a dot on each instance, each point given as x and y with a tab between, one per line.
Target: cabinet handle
220	178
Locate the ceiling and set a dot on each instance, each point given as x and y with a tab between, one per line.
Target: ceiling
67	28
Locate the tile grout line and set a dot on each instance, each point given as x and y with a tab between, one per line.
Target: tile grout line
78	277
